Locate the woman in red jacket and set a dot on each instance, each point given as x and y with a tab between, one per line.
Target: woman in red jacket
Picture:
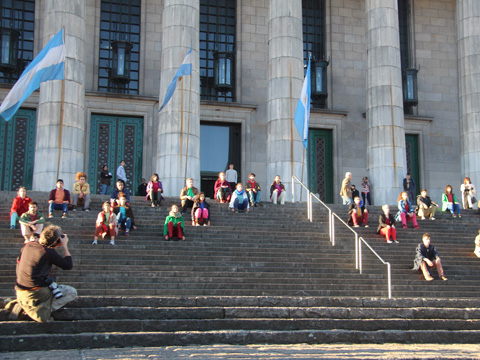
19	206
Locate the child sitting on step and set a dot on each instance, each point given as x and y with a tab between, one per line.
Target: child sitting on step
239	200
32	222
201	211
174	225
106	224
124	215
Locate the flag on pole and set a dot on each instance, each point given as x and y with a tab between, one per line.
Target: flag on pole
302	114
184	69
47	65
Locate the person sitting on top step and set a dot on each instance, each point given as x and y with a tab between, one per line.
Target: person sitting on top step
188	195
427	257
59	200
222	190
81	191
253	190
201	211
425	206
450	202
406	212
277	191
154	191
239	200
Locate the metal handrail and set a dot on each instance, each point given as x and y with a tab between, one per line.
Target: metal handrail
331	228
389	267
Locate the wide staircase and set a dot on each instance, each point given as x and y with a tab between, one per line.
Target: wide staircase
269	276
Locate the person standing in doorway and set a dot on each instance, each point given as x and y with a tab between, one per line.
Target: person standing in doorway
121	174
231	176
410	187
105	177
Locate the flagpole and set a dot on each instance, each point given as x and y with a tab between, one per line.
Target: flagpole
181	120
188	125
291	121
303	167
62	112
60	129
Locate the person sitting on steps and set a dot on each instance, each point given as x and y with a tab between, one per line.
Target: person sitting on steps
427	257
32	222
106	224
277	191
19	206
477	244
59	200
406	212
154	191
386	225
124	213
201	211
450	202
120	188
253	190
174	226
188	195
239	201
222	190
425	206
357	213
81	190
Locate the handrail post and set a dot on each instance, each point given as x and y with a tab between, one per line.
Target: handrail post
293	190
309	205
333	230
330	220
389	276
360	257
356	250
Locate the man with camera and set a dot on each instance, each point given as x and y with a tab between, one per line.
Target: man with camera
37	292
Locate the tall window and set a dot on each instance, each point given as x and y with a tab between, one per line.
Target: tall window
217	50
407	57
17	25
313	16
119	41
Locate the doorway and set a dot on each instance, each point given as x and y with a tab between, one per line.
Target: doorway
320	163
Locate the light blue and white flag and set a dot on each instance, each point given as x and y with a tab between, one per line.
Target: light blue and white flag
184	69
302	114
47	65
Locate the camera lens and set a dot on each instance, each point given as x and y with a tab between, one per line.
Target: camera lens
62	236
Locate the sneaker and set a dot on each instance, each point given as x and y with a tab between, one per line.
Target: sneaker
74	208
459	215
423	217
127	233
443	278
153	205
94	242
356	225
12	227
87	209
366	226
389	241
405	226
112	242
64	216
416	227
395	241
453	215
50	216
432	218
429	278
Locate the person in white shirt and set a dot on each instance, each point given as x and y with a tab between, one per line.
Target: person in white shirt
231	176
121	174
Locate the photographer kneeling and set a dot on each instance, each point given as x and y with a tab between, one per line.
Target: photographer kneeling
37	294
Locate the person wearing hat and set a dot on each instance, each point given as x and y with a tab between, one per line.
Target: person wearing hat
38	295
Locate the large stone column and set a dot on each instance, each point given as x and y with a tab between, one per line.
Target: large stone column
60	149
468	41
285	78
179	121
386	157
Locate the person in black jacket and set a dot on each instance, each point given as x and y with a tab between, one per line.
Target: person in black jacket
37	293
427	257
357	213
386	225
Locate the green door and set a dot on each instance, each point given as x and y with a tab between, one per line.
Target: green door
411	148
112	139
320	164
17	146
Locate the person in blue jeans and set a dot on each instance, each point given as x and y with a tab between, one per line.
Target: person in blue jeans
253	190
125	218
239	201
58	200
450	202
105	177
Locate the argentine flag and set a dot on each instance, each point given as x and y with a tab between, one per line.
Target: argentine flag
47	65
184	69
302	114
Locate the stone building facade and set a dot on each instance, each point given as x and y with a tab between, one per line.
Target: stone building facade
361	123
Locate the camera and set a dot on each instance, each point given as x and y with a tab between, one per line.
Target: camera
52	285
